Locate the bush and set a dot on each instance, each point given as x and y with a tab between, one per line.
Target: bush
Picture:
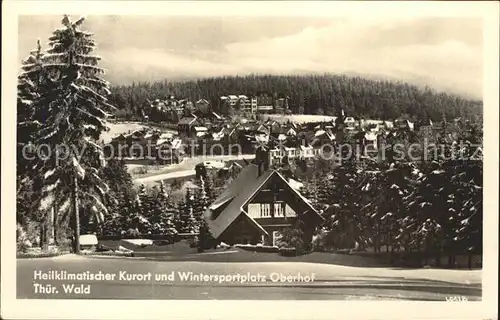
162	242
102	248
292	237
290	252
25	255
256	248
133	233
110	253
27	235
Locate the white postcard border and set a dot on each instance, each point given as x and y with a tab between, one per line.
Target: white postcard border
131	309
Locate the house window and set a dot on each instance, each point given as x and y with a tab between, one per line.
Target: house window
265	210
279	209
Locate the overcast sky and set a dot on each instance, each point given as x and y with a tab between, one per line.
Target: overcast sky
444	53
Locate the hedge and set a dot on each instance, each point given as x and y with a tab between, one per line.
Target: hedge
255	248
25	255
289	252
109	253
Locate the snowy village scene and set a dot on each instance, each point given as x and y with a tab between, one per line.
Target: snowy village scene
249	158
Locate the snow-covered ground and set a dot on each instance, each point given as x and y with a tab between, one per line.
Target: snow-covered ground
124	127
183	169
298	118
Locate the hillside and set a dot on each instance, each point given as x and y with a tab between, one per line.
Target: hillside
310	94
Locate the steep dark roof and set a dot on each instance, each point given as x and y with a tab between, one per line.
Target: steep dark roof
237	194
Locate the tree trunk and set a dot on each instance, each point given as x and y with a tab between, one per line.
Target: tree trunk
44	241
426	252
438	254
55	225
76	240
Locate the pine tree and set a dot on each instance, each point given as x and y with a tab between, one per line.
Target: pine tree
210	189
70	111
144	203
121	191
162	213
187	222
30	83
199	207
200	202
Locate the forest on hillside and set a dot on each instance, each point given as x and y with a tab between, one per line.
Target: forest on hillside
308	94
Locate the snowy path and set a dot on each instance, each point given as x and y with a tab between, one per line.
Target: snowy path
185	168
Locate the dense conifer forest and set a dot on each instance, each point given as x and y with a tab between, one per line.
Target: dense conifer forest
308	94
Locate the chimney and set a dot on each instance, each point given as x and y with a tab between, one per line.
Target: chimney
266	159
258	161
262	160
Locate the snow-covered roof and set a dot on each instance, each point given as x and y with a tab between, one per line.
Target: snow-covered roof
218	135
176	143
214	164
187	120
262	138
295	184
200	128
167	135
160	141
319	133
371	136
217	115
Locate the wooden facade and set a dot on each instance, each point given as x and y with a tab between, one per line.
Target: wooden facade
257	211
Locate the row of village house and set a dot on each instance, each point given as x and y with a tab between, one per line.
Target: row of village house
261	201
223	137
261	103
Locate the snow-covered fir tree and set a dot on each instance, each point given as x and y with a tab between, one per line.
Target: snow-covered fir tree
186	222
30	84
70	109
162	213
200	205
143	203
200	202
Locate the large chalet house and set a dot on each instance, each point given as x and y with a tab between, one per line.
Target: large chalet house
258	204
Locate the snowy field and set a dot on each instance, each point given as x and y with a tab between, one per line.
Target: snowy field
298	118
124	127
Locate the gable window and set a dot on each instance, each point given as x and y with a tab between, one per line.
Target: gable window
265	210
279	209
